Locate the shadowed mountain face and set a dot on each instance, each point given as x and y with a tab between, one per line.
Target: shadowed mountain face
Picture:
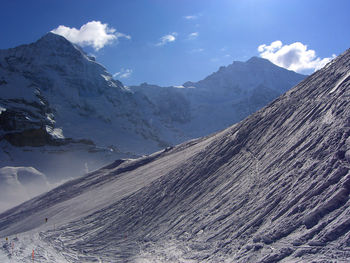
223	98
274	187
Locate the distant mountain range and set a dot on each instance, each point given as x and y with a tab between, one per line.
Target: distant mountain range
223	98
63	113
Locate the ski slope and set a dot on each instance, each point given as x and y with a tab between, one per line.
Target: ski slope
93	192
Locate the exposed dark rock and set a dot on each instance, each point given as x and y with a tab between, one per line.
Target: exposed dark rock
32	137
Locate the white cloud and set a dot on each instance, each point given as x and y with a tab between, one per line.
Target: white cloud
193	35
296	56
166	39
94	34
191	17
123	73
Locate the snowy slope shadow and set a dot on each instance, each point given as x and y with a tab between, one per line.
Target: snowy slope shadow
274	187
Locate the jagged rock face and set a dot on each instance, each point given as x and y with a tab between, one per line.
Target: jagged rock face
272	188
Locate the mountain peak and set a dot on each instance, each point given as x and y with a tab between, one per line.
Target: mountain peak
52	38
58	45
250	74
258	61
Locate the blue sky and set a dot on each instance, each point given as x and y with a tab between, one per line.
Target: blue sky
169	42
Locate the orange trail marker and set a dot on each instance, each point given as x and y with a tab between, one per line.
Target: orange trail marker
33	254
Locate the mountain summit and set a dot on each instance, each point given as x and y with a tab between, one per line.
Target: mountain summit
273	188
56	44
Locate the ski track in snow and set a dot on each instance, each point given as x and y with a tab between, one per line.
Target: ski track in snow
344	78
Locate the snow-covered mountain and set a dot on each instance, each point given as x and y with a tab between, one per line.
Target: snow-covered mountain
62	113
54	99
273	188
221	99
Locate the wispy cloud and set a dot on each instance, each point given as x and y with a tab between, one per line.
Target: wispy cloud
94	34
167	39
123	73
193	35
296	56
197	50
191	17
